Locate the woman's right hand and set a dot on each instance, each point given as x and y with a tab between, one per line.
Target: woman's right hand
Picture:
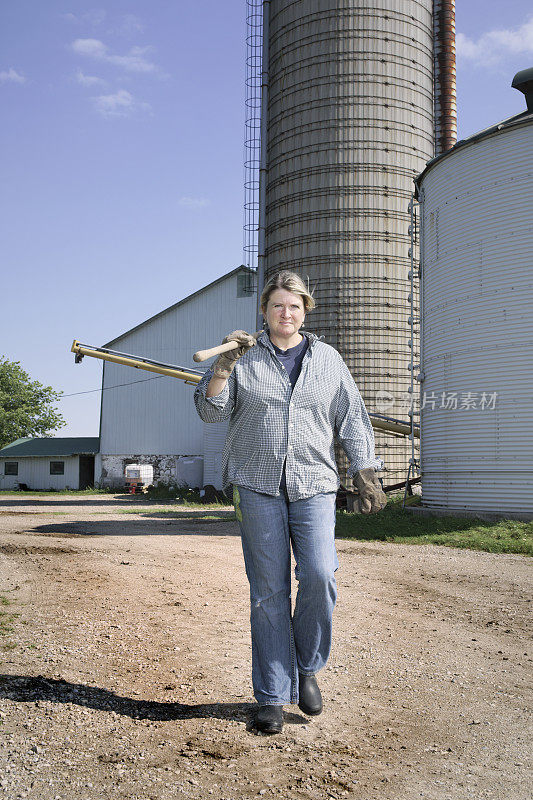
223	366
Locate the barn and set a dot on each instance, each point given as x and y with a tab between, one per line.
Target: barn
151	419
49	463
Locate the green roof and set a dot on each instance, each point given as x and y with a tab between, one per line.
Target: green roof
80	445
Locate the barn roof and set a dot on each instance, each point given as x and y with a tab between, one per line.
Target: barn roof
241	268
79	445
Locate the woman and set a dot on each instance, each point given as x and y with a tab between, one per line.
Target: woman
286	397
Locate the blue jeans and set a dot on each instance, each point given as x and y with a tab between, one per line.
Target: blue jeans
284	644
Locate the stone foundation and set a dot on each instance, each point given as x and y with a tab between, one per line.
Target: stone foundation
113	467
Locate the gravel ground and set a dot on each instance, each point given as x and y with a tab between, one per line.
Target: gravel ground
127	672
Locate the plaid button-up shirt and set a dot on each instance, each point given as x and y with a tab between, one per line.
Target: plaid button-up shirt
271	424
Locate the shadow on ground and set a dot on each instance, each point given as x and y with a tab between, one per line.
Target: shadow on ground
155	526
25	689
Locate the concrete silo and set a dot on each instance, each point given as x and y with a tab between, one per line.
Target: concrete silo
348	121
477	326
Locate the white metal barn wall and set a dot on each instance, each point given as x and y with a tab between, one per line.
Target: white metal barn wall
350	124
35	473
157	417
477	324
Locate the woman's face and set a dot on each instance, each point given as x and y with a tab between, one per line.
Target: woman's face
284	313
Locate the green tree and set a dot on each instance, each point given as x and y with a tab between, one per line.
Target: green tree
26	406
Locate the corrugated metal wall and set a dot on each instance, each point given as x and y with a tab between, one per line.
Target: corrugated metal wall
350	123
157	416
477	325
35	473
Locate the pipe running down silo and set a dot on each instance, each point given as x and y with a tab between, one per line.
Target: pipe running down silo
444	75
349	125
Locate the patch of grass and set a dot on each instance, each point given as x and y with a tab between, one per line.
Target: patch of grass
395	524
5	622
221	516
89	490
165	491
185	497
45	492
5	627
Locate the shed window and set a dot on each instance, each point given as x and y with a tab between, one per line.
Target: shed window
11	468
57	467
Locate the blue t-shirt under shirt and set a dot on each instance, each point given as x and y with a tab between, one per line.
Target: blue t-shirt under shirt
292	359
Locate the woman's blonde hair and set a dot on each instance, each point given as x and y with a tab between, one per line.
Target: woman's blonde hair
291	282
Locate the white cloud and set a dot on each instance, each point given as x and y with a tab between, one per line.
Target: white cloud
492	46
89	80
120	104
11	76
129	25
134	61
94	17
93	48
193	202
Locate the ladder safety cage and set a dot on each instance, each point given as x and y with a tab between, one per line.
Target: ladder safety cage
414	342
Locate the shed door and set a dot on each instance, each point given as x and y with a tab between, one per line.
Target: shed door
86	471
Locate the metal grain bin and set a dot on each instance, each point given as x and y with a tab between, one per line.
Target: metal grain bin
477	323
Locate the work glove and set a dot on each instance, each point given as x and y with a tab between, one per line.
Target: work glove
372	497
223	366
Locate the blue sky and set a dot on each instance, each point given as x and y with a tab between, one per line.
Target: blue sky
122	153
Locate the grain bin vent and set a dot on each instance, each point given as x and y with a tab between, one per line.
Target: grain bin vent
523	81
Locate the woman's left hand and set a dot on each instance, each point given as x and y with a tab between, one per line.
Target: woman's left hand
373	498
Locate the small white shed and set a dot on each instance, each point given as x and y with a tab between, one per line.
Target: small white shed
48	463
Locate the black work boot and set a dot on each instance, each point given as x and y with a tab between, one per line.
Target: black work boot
269	719
310	701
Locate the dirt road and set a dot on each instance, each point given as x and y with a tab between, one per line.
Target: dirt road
127	673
